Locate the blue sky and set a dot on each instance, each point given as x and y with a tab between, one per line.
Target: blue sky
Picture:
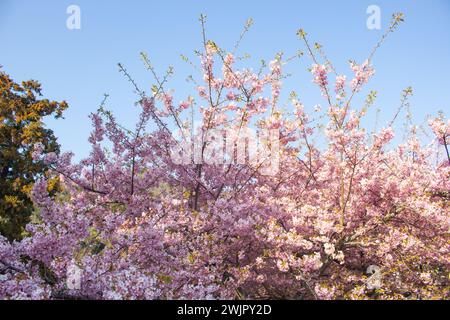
79	66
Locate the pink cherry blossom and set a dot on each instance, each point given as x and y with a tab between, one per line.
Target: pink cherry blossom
139	225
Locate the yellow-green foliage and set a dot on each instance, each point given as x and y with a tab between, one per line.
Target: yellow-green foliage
21	126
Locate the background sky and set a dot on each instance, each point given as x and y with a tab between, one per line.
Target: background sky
79	66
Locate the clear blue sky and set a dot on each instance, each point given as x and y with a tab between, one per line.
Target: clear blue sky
80	65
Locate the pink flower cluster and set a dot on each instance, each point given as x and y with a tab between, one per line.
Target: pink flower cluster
363	73
320	73
340	84
441	130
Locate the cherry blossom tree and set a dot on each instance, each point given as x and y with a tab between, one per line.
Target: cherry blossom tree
352	218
